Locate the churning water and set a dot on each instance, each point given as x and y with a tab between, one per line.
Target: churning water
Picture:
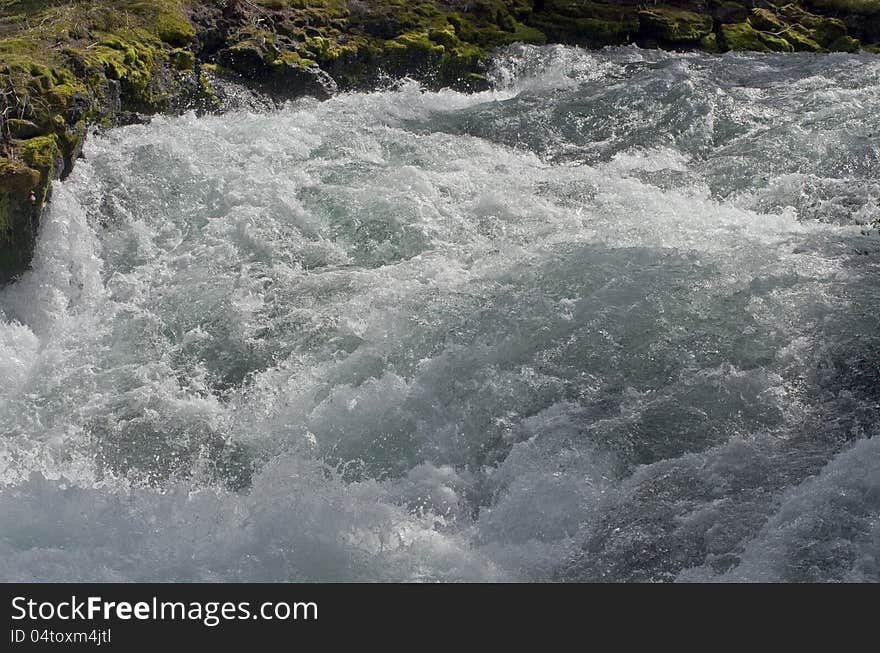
613	320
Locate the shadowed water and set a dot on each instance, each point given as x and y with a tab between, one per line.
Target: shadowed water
613	320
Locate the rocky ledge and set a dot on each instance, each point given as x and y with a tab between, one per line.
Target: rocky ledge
69	64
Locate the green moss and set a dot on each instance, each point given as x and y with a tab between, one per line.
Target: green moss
173	27
415	42
295	59
743	36
39	98
775	43
827	30
709	43
523	33
182	59
411	52
41	153
331	46
207	90
674	25
130	61
588	23
445	36
802	39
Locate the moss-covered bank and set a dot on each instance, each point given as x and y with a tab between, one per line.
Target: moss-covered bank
67	64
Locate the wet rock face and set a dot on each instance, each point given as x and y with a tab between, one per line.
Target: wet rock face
18	212
310	80
246	58
261	61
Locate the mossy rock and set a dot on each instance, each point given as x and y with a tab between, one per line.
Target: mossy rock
765	20
709	43
71	64
775	43
417	43
411	53
674	25
18	128
298	78
844	44
802	39
248	57
523	33
502	29
17	217
182	59
17	181
43	154
795	13
827	30
743	36
593	24
445	36
42	93
174	28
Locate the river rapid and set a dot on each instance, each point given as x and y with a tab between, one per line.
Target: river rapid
614	320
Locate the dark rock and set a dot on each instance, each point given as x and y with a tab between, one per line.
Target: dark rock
292	80
865	28
17	128
673	25
766	20
248	58
210	40
77	107
723	11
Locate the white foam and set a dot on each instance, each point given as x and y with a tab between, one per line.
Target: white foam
529	333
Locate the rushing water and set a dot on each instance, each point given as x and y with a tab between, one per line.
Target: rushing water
614	320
